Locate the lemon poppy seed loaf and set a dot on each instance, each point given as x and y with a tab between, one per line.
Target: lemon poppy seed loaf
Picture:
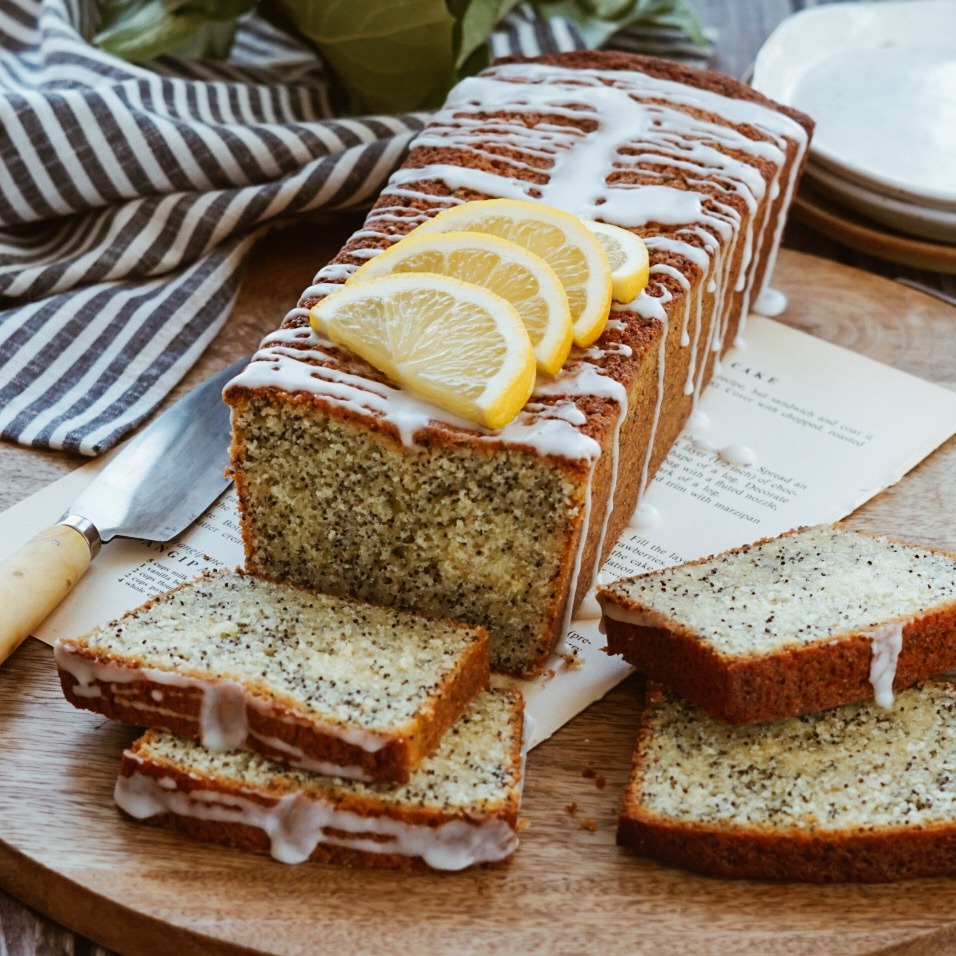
317	681
460	808
348	483
856	793
813	618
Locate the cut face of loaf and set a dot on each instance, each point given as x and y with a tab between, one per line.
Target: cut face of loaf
814	618
348	483
856	793
458	809
317	681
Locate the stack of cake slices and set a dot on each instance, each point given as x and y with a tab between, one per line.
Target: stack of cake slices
290	722
790	730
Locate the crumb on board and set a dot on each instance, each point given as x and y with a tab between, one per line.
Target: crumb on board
589	772
572	660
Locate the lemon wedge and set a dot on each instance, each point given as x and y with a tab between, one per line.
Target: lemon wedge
562	240
627	256
505	268
458	345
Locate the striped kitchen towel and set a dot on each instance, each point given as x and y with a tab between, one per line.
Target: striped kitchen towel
131	196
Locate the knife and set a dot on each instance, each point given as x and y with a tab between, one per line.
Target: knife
153	489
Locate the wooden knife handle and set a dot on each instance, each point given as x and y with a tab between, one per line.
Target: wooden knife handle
36	578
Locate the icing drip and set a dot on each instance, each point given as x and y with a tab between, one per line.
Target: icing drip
770	302
589	609
296	823
739	456
698	421
224	709
645	517
887	642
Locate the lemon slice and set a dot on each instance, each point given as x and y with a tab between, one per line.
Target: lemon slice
562	240
627	255
459	346
505	268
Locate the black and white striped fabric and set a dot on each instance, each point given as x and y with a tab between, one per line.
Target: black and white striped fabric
130	197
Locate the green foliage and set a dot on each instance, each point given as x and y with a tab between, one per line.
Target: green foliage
387	56
139	30
599	20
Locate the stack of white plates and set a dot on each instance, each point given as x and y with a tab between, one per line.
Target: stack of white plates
879	79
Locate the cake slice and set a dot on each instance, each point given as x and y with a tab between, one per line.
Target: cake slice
814	618
458	809
348	483
857	793
317	681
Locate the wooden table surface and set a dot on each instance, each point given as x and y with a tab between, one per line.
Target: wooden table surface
65	851
918	916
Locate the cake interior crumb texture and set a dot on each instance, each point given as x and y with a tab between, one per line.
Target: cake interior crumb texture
472	771
435	531
794	590
855	766
335	658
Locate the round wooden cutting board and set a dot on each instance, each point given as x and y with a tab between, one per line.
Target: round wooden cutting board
65	851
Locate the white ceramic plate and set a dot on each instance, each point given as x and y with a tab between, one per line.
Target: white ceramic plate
879	79
916	219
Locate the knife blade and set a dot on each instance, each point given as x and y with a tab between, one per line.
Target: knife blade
153	489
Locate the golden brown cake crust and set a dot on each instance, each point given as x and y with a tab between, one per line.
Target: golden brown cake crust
764	687
243	837
854	854
788	684
143	702
747	853
137	762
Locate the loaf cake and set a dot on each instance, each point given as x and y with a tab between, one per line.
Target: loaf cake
348	483
856	793
321	682
811	619
458	809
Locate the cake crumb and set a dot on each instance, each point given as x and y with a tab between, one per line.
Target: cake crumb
572	808
572	660
588	824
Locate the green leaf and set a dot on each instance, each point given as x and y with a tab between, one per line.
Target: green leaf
475	21
138	30
389	57
599	20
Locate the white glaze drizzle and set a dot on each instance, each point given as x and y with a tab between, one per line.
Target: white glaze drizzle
698	421
770	302
739	456
223	722
644	517
886	642
637	119
297	823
